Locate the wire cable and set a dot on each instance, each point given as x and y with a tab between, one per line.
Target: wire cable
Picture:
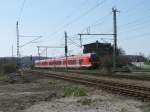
136	27
135	21
79	17
134	7
97	22
76	44
137	36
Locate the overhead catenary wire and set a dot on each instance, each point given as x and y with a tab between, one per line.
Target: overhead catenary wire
136	27
96	23
31	41
84	14
135	21
129	10
136	36
72	13
78	18
73	42
99	21
93	25
129	23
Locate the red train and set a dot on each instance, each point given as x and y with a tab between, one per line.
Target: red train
89	60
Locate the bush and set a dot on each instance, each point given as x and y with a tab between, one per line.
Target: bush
9	68
122	61
107	62
147	62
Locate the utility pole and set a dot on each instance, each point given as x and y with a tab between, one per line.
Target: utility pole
17	31
19	63
38	51
18	52
114	10
46	52
66	50
80	41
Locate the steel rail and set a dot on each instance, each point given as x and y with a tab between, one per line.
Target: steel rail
125	85
124	90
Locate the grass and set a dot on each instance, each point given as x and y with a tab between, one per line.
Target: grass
74	91
124	110
50	82
3	78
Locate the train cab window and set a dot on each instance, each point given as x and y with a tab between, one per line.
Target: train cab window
93	58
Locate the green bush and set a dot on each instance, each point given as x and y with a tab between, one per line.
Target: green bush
74	91
107	62
147	62
4	78
9	68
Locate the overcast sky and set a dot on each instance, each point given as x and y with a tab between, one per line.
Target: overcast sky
50	18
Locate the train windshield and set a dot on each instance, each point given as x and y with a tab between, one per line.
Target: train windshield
94	57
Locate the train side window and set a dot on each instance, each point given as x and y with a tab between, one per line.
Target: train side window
75	62
70	62
64	62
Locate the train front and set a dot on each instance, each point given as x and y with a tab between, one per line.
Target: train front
94	59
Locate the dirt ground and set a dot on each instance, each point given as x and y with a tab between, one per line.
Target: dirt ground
43	94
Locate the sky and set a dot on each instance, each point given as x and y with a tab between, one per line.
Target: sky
51	18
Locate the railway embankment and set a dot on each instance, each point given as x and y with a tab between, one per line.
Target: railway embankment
37	93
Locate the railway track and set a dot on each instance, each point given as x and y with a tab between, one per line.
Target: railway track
134	77
117	76
139	92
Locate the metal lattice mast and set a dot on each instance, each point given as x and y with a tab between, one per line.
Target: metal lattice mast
17	31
